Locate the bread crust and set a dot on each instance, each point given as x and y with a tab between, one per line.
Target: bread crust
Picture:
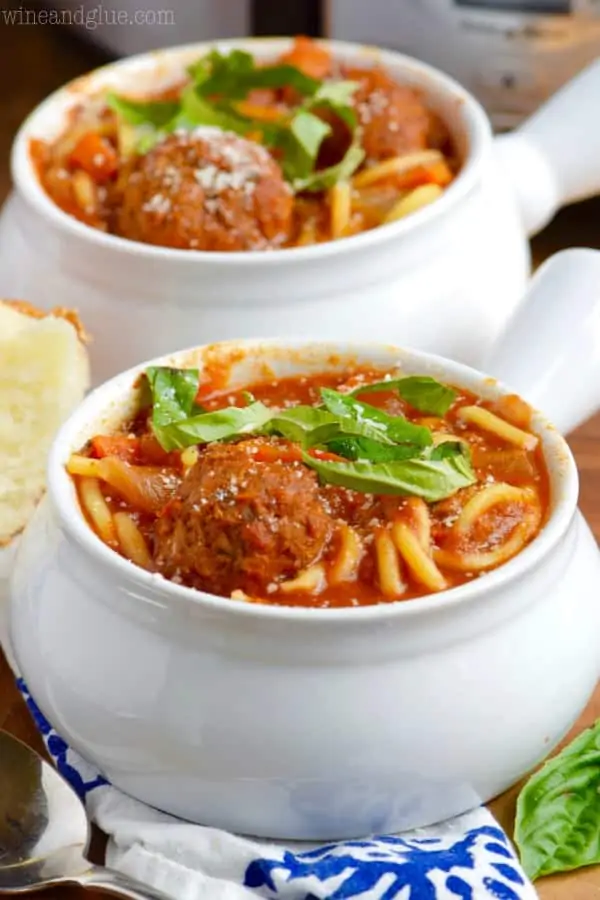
58	312
71	316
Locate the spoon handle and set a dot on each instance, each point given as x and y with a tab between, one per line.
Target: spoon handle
116	883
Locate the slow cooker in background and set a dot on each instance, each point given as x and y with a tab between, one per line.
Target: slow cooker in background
512	54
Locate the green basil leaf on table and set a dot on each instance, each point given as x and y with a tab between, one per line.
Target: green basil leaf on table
558	810
424	393
431	479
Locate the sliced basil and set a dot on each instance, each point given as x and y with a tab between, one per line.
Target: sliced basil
154	113
395	429
220	425
173	393
235	74
302	143
422	392
323	179
364	448
431	479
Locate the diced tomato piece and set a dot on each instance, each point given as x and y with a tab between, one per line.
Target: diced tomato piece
119	445
277	453
309	57
96	156
436	173
326	456
291	453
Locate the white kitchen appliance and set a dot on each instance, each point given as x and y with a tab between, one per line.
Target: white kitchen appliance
511	54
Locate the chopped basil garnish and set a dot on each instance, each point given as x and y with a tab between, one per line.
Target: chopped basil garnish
383	454
395	429
153	113
173	393
221	81
220	425
431	479
421	391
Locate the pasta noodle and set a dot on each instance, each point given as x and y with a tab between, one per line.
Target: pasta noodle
189	457
388	565
480	560
132	541
421	196
96	507
418	561
487	421
308	233
312	579
441	437
422	520
485	500
345	567
396	166
84	466
84	190
340	202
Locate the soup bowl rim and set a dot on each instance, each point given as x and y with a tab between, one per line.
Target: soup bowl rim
559	460
476	126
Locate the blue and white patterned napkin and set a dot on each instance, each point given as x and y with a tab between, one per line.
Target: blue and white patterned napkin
468	858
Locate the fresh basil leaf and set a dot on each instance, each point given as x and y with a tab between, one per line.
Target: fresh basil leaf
298	423
312	426
235	74
200	70
156	113
426	394
422	392
301	144
195	111
221	425
447	449
323	179
430	479
173	393
556	826
393	428
363	448
147	138
337	97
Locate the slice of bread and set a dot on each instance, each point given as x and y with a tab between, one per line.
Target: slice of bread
44	374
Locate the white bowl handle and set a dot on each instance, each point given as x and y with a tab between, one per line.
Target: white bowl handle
554	157
550	350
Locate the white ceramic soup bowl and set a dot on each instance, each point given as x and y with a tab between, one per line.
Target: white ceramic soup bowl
445	279
307	723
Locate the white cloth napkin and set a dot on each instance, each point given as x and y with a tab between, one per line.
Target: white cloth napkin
467	858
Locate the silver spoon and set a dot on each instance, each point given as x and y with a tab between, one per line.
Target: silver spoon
44	831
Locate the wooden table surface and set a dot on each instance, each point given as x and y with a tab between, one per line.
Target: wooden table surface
36	59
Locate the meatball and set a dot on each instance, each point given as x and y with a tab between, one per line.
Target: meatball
206	190
240	524
393	116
